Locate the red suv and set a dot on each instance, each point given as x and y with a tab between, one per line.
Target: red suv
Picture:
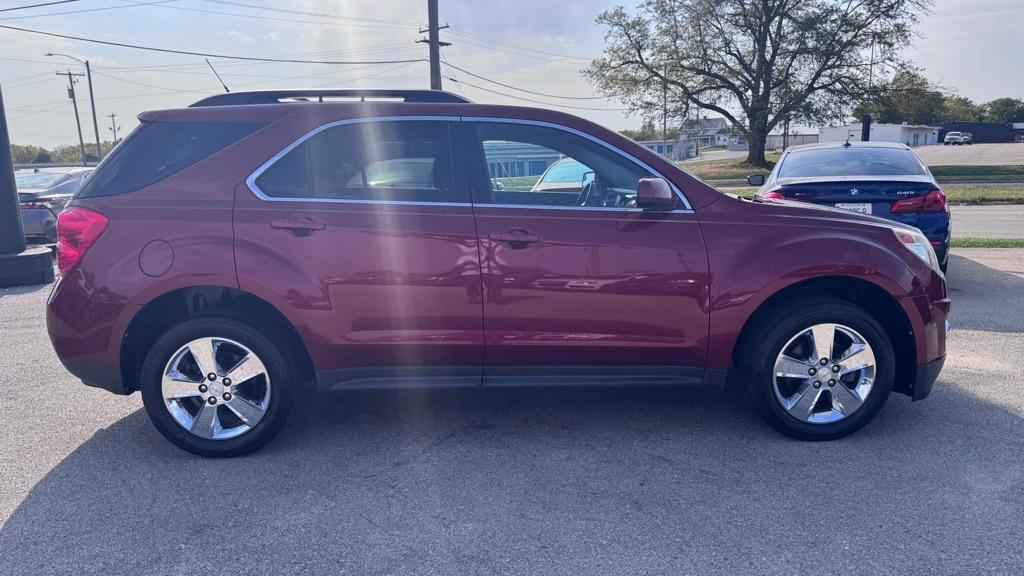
227	253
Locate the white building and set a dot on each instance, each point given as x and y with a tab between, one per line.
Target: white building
909	134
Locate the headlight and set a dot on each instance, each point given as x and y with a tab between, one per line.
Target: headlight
919	245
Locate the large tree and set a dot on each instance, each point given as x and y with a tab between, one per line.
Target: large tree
755	62
907	99
1004	110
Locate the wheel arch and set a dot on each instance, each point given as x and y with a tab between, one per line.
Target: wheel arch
863	293
164	311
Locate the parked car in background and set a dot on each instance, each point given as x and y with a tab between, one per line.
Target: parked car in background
953	138
42	193
883	179
225	254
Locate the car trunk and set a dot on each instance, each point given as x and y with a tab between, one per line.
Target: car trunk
874	197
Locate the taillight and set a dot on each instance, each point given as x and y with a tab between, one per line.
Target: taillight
773	195
933	202
77	230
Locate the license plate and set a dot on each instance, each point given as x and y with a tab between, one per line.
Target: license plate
863	208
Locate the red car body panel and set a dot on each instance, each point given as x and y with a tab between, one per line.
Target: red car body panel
423	289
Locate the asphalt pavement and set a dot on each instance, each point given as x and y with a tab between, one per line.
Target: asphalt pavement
641	481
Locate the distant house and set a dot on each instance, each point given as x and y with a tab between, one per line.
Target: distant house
981	132
909	134
712	131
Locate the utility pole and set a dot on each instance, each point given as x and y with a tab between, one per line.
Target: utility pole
664	114
434	40
19	264
92	100
113	126
74	104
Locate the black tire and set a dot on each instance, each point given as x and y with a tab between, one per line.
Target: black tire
770	333
279	370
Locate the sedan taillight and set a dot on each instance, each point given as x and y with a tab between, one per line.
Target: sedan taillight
773	195
933	202
77	231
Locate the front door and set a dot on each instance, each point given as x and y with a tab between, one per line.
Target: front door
580	286
362	235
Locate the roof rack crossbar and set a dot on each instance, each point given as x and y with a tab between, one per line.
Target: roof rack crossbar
318	95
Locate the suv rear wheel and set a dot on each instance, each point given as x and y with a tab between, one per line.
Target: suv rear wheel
217	387
818	369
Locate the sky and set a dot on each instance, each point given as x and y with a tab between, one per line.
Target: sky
970	46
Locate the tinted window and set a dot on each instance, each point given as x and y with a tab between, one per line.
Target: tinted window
156	150
542	166
397	161
851	161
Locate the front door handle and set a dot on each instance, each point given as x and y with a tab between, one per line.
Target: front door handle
516	238
298	225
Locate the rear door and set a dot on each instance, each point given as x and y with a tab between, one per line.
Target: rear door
360	231
581	287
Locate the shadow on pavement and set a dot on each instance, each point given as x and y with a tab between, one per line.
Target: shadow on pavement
994	297
568	481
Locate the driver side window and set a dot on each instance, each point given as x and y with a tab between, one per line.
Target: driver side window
540	166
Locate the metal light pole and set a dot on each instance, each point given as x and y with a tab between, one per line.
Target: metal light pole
19	265
92	101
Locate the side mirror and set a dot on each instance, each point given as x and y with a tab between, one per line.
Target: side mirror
755	179
655	194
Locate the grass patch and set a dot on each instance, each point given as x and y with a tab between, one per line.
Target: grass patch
987	243
517	183
727	169
965	194
978	172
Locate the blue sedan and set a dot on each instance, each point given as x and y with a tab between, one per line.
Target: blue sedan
879	178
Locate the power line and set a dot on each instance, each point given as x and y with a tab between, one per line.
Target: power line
490	42
255	17
37	5
61	105
538	101
464	71
83	10
393	23
205	54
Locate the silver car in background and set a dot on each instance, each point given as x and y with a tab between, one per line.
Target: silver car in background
42	193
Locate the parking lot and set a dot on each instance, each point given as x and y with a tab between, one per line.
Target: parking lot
1011	154
682	481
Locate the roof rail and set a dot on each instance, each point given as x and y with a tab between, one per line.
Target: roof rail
318	95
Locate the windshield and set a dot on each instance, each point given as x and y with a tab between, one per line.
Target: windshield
565	171
27	180
851	162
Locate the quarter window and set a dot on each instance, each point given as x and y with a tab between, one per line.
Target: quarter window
532	165
383	161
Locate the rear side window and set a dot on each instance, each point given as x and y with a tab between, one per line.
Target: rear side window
407	161
156	150
851	161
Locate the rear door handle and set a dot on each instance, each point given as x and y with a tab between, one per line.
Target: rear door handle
516	237
298	225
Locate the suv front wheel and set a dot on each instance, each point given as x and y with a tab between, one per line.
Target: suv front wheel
217	387
818	369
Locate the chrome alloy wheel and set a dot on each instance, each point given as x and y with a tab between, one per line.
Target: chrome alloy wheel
824	374
216	388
